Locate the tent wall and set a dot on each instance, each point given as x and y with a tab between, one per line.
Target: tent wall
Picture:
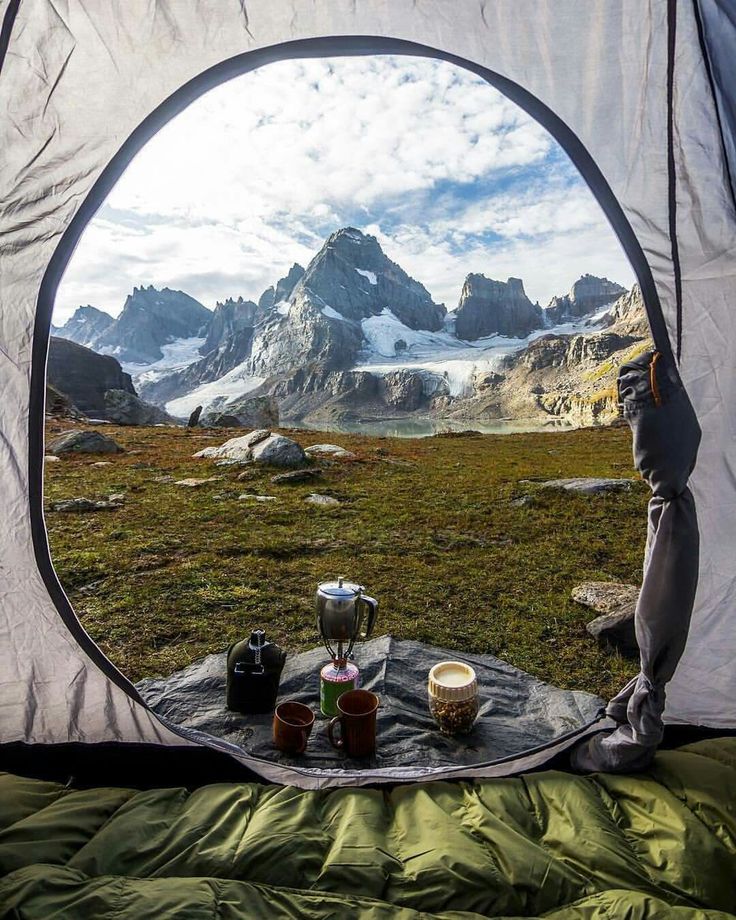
80	79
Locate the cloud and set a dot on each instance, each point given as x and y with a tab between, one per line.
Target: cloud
251	177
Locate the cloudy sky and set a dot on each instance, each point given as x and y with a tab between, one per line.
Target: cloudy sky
447	173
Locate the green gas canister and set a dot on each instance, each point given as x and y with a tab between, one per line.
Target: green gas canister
336	678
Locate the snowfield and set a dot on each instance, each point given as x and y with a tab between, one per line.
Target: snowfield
178	354
443	354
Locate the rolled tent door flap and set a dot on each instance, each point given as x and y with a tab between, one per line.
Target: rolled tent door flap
666	436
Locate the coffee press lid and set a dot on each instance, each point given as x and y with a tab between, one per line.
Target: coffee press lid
340	588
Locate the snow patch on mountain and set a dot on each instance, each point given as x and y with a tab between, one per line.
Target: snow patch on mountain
217	394
371	276
327	310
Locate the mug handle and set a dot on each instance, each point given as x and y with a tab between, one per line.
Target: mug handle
335	742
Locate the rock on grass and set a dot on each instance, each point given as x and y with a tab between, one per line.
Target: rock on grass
604	596
77	441
294	477
86	505
326	501
617	603
589	485
259	447
329	450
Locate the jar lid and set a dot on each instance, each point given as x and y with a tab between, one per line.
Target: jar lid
452	681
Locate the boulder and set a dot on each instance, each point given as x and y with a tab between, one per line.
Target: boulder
278	450
124	408
245	412
617	629
221	420
329	450
77	441
589	485
194	417
617	604
238	449
258	447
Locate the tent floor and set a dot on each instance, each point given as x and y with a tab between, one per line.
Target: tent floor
518	713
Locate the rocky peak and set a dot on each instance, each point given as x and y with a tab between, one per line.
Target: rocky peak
85	326
150	319
311	333
352	276
228	318
283	289
588	294
489	307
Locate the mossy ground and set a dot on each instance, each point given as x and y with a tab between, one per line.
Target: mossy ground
430	526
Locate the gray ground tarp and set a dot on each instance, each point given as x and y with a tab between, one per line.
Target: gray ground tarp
518	712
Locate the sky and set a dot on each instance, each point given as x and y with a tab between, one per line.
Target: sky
447	173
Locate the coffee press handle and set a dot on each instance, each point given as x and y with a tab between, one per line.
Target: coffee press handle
372	605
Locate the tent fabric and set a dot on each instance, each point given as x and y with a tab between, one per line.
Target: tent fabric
656	845
717	24
624	86
518	714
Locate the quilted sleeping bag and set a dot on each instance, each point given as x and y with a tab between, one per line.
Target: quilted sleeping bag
657	845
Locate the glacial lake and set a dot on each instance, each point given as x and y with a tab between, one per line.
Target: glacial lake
426	427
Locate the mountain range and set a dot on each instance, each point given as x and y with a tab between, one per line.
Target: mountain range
354	334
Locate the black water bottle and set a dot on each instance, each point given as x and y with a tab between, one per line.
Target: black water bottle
254	669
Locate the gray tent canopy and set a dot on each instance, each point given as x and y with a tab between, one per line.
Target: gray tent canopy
640	93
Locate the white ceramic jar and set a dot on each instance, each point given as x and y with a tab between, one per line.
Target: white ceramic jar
453	697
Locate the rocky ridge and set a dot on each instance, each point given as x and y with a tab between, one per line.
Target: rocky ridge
306	346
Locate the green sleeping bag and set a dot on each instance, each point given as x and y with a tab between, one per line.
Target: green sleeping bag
661	844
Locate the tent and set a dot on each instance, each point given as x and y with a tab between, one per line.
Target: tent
642	96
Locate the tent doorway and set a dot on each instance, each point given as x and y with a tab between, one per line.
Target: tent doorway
211	600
